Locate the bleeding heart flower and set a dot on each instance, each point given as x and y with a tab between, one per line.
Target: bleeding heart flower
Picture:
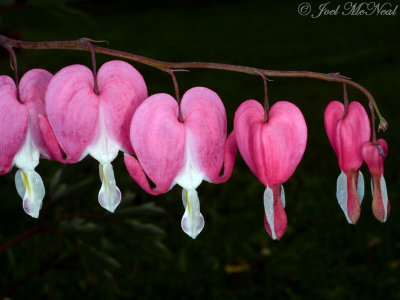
172	152
21	142
347	133
272	150
86	123
374	155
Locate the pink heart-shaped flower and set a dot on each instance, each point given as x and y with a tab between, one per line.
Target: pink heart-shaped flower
374	155
170	151
272	151
81	122
347	133
21	142
14	123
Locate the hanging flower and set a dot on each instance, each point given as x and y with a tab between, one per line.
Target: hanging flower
21	142
347	133
374	155
171	152
272	150
84	122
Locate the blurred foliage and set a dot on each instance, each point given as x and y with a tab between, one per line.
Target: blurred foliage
140	251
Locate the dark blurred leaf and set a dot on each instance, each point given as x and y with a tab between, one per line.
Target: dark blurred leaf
109	261
66	191
136	227
6	2
78	225
55	181
159	246
148	209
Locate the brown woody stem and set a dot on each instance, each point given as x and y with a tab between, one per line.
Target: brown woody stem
80	44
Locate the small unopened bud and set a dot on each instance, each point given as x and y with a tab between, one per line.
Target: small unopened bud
383	125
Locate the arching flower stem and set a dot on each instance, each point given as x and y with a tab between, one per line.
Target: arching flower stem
371	107
345	99
14	66
176	88
266	102
81	44
93	55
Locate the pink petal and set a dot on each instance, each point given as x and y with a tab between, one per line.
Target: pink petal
275	212
347	133
333	116
122	89
272	150
158	139
229	159
247	125
13	123
204	118
374	156
54	150
353	201
354	132
72	109
380	201
33	86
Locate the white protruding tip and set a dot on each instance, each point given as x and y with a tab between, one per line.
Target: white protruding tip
269	209
283	197
30	188
385	198
109	195
360	186
341	194
192	221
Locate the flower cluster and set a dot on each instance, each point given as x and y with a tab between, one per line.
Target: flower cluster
349	132
64	118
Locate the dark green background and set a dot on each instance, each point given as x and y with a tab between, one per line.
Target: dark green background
141	252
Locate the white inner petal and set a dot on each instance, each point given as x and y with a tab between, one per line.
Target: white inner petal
360	186
105	149
27	157
192	222
341	193
30	188
384	196
269	209
109	195
190	175
283	200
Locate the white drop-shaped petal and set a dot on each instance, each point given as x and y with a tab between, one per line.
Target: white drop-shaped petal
109	195
360	186
269	209
341	193
385	198
283	200
192	221
30	188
